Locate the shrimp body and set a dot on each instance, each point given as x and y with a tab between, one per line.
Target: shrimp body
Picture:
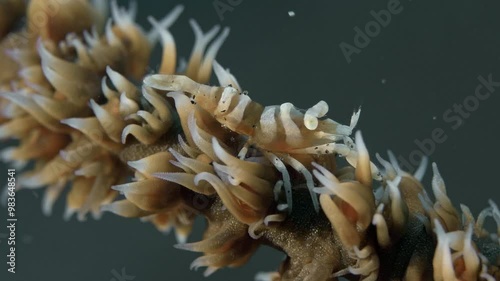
278	128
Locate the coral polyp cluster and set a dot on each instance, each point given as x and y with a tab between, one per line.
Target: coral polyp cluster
167	147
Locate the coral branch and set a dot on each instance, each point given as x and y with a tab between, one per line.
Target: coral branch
175	148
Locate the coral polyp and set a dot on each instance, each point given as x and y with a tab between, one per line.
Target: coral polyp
168	147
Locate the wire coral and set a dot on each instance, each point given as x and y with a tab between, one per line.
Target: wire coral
167	147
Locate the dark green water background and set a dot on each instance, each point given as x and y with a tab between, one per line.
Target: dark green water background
427	59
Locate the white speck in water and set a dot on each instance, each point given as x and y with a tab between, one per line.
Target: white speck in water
383	81
291	13
433	117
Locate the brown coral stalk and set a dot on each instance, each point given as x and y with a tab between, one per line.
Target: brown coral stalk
175	148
